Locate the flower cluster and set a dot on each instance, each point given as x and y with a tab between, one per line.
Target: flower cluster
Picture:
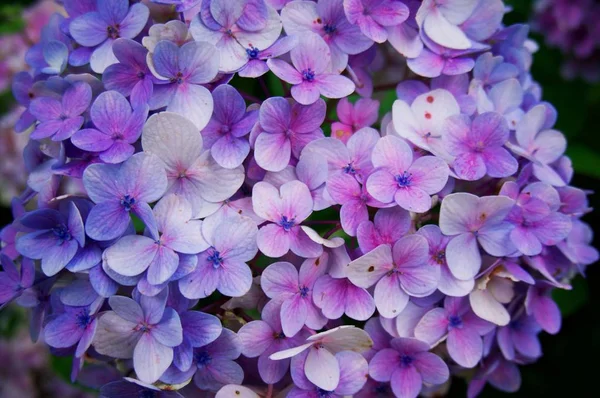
13	47
210	206
572	26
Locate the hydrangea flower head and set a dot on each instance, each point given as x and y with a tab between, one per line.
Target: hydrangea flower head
268	198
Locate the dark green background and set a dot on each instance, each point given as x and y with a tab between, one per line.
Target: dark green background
567	367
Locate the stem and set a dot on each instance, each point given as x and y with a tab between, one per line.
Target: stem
387	86
214	304
269	391
263	85
321	222
245	316
332	231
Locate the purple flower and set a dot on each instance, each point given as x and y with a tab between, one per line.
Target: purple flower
505	98
183	70
338	296
472	220
24	90
285	208
117	128
75	326
536	217
141	329
130	77
59	120
118	190
215	362
520	338
540	144
387	227
354	198
112	19
462	328
398	272
440	22
407	365
225	133
310	74
222	266
500	373
354	370
448	283
180	5
435	60
577	247
14	282
192	172
237	29
353	158
312	171
399	179
544	310
133	255
319	364
478	146
257	59
285	129
199	329
326	18
265	337
55	237
375	17
293	289
421	122
354	117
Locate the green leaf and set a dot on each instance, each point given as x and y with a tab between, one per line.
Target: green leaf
10	18
62	366
585	160
570	301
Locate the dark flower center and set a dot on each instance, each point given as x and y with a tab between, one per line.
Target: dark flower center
287	224
349	169
141	75
455	321
440	257
404	179
127	202
479	146
215	258
63	117
203	358
323	393
178	78
329	29
278	336
113	31
308	75
62	233
83	319
303	291
405	360
252	52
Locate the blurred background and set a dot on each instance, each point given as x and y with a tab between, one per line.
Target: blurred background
567	66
